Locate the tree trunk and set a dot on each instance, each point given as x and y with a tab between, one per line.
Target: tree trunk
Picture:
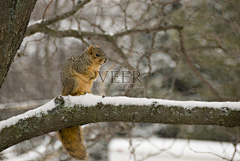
14	18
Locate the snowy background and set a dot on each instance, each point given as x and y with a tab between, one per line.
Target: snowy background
152	149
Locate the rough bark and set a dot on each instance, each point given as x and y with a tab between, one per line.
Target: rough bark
14	18
65	114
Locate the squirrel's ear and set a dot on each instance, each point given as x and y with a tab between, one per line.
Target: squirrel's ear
97	46
90	49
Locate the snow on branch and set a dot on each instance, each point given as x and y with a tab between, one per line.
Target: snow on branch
66	111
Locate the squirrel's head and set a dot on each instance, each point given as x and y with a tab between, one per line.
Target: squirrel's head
97	55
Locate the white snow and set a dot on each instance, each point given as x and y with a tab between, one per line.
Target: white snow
91	100
35	22
155	149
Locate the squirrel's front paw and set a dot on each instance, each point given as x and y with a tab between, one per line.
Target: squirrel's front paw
93	76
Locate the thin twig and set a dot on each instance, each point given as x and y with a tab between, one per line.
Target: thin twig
46	10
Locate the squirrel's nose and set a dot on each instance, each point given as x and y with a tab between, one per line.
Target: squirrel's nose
105	60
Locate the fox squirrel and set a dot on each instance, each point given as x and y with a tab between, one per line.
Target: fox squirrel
78	74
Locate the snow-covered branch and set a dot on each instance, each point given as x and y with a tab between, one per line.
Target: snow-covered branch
66	111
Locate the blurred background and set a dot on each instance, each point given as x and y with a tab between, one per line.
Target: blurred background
183	49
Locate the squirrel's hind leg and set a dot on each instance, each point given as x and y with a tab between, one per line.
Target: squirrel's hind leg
68	88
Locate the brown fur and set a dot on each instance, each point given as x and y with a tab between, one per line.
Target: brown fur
78	74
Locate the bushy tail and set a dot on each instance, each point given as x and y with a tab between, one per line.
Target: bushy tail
72	141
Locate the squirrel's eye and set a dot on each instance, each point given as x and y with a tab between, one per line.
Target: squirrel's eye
97	55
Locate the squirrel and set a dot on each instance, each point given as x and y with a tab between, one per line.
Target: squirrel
78	74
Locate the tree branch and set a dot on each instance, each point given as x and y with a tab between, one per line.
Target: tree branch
81	34
34	27
72	111
39	27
